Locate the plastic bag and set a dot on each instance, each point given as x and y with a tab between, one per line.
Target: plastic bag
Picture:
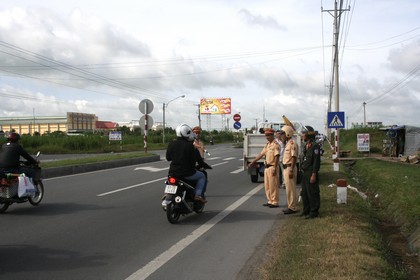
26	187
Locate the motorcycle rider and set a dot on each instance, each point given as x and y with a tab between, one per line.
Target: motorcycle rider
10	154
183	157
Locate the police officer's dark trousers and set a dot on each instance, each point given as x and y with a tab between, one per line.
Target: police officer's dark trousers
310	194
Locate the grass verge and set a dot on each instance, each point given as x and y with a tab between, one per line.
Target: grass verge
93	159
347	242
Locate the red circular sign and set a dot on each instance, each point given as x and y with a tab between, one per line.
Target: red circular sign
236	117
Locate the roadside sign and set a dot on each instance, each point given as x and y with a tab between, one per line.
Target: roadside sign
143	122
236	125
146	106
336	120
115	136
236	117
363	142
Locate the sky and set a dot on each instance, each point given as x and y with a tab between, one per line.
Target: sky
272	58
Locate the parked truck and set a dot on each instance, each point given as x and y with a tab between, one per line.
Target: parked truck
253	145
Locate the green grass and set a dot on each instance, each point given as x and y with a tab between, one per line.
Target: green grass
93	159
347	242
348	140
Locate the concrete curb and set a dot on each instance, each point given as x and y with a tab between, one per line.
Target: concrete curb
89	167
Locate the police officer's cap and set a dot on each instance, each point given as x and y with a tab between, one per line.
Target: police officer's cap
269	131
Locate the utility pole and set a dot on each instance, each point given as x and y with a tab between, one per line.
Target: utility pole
199	115
364	114
337	19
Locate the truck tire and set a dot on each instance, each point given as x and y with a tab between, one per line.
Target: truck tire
254	178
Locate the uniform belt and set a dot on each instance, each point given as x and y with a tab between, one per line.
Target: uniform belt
286	165
268	165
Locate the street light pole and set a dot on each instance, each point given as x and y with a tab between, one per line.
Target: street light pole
164	108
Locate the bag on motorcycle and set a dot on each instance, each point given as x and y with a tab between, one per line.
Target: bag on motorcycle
25	188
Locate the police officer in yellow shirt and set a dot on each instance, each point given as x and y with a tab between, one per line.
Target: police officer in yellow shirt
290	170
271	172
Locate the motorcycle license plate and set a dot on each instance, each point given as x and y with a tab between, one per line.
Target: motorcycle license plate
170	189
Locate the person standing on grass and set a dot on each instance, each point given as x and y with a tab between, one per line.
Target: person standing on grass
310	179
290	170
281	140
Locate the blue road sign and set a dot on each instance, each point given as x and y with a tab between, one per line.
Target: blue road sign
336	120
236	125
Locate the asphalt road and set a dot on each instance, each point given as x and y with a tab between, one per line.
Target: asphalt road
110	225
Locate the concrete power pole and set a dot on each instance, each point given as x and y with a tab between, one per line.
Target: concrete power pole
337	19
364	114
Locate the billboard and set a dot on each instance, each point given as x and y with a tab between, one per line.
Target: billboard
215	106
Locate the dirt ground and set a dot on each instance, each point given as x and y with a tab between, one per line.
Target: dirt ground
399	252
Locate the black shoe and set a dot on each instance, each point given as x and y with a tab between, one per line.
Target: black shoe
273	206
289	211
267	204
304	214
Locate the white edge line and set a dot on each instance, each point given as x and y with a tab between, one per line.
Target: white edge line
164	257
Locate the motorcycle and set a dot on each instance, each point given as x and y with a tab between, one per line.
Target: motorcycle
179	197
9	183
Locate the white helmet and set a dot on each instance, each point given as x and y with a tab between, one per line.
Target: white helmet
185	131
288	130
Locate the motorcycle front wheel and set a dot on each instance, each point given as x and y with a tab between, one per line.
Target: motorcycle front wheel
172	213
39	194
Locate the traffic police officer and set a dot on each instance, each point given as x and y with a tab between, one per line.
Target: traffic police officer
290	170
271	172
310	179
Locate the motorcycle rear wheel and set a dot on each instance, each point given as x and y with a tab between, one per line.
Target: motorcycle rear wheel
39	195
4	206
172	213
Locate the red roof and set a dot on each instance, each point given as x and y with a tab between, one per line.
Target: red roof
106	125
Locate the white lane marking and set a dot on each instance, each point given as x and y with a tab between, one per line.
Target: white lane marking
130	187
166	256
151	168
237	171
217	164
142	184
229	158
212	158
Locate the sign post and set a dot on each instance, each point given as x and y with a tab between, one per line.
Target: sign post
237	125
145	107
336	120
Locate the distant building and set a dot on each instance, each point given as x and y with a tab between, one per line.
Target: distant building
368	124
72	123
157	126
106	126
132	125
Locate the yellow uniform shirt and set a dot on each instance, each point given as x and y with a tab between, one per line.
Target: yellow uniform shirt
290	150
270	151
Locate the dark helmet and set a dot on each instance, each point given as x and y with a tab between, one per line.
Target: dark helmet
309	131
13	137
